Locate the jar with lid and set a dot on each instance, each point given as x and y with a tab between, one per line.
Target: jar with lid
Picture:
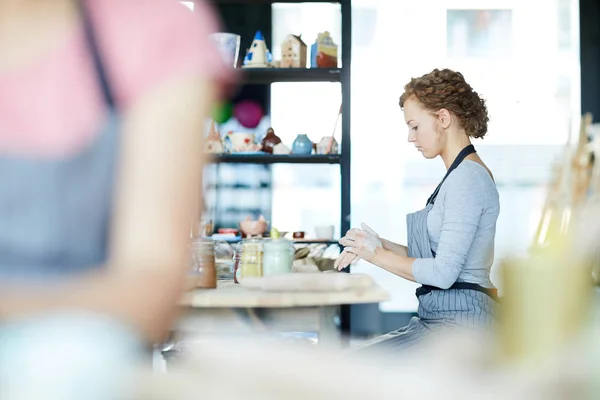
251	258
203	262
277	257
237	258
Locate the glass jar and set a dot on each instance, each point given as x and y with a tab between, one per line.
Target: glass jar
277	257
251	258
203	262
237	257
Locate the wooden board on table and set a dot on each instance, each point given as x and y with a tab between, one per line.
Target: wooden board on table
231	295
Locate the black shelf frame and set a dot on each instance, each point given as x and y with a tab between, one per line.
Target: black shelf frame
277	159
346	10
260	10
262	2
257	76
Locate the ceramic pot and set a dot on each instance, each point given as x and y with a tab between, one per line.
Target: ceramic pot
241	141
270	141
302	145
323	146
281	149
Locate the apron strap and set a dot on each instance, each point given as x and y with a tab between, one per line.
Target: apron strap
493	293
459	158
94	49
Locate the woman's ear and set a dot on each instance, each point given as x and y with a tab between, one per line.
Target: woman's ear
445	118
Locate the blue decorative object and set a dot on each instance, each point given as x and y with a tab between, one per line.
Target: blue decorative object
258	55
302	145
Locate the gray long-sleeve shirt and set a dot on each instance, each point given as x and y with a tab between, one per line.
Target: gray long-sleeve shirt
462	227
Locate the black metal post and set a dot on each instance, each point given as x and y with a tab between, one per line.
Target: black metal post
346	148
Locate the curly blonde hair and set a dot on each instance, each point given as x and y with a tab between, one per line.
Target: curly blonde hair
448	89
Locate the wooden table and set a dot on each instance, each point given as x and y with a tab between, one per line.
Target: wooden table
232	309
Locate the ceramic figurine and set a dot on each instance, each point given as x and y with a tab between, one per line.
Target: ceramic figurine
281	148
293	52
324	52
323	146
213	143
270	141
258	55
242	142
302	145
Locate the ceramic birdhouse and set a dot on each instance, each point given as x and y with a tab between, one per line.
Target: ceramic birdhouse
258	55
324	52
293	52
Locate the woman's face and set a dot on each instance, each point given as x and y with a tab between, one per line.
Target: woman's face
422	130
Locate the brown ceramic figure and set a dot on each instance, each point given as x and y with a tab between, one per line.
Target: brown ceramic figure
270	141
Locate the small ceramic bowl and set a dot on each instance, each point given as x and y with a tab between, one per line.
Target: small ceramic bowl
253	228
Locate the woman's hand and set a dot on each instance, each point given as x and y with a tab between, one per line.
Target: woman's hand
359	243
344	259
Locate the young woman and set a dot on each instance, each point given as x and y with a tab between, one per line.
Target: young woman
450	246
102	106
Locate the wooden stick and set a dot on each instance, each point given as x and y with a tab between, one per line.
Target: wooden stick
334	128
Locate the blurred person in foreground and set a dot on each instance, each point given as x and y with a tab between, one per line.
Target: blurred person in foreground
102	107
450	248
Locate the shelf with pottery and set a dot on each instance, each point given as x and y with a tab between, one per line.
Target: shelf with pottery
323	58
258	229
259	67
241	147
300	253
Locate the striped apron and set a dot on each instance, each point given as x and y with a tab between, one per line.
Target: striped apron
464	304
55	212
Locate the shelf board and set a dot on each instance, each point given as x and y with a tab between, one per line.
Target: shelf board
276	158
304	241
272	75
295	241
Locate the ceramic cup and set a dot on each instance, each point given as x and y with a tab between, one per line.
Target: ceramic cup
241	141
228	45
324	232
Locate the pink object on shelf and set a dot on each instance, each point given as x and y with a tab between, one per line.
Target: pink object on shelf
248	113
254	228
